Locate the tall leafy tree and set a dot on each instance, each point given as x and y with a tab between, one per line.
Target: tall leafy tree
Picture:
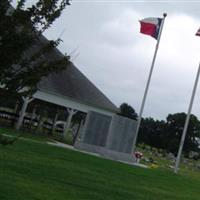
175	124
167	134
152	132
127	111
25	55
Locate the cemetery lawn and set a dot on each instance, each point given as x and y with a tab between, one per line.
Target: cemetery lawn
33	170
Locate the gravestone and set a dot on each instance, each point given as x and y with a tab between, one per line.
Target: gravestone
96	129
121	134
111	137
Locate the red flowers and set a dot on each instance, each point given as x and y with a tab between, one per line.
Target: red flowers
138	156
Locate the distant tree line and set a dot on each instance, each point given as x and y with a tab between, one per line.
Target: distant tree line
166	134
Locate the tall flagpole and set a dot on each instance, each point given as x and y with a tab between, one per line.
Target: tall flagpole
186	123
148	82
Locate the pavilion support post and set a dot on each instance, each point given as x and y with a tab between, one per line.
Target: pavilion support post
78	131
16	107
32	116
71	113
54	122
26	101
14	114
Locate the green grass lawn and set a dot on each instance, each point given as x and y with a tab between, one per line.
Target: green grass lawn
33	170
23	134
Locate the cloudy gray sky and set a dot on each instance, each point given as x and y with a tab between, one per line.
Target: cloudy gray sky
104	40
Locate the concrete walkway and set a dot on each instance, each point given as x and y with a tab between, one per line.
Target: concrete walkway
66	146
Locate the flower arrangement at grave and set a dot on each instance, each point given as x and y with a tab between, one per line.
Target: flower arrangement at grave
138	156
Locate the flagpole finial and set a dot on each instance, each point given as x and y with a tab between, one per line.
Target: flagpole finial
164	14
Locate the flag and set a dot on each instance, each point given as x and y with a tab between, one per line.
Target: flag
150	26
198	32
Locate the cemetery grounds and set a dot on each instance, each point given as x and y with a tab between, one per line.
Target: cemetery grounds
31	169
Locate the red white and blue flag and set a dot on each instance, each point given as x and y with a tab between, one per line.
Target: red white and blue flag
198	32
151	26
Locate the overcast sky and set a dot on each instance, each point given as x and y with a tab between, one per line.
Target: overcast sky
104	40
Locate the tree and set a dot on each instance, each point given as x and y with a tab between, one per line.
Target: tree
167	134
152	132
24	53
127	111
175	124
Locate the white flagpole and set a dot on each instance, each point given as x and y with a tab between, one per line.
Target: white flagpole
148	83
186	123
